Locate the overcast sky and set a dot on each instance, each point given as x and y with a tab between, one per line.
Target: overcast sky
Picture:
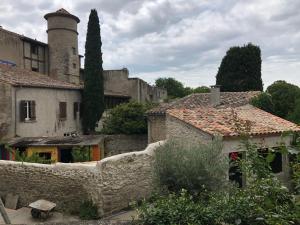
184	39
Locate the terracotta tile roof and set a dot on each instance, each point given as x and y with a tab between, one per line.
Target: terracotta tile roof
22	77
228	99
62	12
228	122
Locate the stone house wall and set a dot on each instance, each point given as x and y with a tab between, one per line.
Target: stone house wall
179	129
5	111
118	81
111	183
156	128
120	143
47	112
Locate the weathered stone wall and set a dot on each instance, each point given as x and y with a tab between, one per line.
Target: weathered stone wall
127	177
156	128
111	183
178	129
11	47
118	81
65	184
5	111
47	112
118	144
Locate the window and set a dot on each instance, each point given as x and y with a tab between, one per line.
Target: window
74	65
27	111
235	174
62	110
34	49
34	69
74	50
77	106
276	164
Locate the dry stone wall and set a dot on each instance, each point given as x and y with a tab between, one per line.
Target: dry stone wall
111	183
118	144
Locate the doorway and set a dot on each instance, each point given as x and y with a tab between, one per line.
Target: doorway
66	155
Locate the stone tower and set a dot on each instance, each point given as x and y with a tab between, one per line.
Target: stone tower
64	62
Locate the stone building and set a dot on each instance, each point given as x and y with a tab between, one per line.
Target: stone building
60	59
41	85
157	115
203	118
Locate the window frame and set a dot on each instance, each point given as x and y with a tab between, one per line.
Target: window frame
27	111
62	111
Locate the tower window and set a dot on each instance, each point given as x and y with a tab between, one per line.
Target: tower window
74	51
74	65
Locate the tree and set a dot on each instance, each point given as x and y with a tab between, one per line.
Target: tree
264	101
127	118
201	89
174	88
240	69
295	115
93	92
284	96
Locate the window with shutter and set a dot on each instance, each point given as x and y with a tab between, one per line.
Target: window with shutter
23	110
62	110
27	111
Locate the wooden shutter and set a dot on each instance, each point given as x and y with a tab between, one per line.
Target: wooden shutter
62	110
22	110
32	111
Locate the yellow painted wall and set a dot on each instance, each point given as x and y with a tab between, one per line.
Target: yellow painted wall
52	150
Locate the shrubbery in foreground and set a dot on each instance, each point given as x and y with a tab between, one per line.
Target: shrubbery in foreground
264	201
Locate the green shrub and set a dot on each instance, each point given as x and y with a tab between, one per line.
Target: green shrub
195	167
88	211
127	118
264	201
81	154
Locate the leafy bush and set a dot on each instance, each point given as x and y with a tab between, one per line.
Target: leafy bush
88	211
127	118
264	201
194	166
81	154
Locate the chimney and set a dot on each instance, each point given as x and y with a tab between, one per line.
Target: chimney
215	95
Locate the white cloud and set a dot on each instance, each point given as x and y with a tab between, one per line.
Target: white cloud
179	38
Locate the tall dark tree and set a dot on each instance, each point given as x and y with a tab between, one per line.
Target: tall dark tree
93	92
240	69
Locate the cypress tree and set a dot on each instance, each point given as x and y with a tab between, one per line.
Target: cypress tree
93	92
240	69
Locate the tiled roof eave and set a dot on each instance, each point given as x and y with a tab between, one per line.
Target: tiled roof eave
47	86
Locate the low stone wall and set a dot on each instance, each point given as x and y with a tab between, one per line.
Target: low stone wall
111	183
118	144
